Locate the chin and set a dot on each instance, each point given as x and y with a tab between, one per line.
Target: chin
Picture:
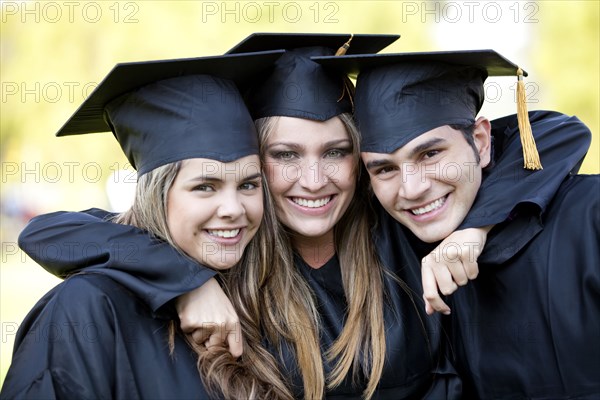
432	236
315	232
227	262
307	228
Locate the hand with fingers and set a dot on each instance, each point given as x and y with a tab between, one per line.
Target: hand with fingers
207	316
451	264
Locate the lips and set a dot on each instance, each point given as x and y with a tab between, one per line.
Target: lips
224	233
434	205
317	203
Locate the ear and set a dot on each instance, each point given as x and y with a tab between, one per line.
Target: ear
482	138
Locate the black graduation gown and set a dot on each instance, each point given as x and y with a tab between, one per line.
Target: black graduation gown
417	344
416	367
562	142
65	243
410	334
89	338
529	325
59	229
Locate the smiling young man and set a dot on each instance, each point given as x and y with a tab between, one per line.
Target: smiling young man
429	184
528	326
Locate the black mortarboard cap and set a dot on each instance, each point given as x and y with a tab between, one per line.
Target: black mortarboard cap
401	96
360	43
169	110
299	87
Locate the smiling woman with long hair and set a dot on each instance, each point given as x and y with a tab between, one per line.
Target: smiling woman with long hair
200	190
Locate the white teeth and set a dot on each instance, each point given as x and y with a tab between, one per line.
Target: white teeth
429	207
311	203
223	233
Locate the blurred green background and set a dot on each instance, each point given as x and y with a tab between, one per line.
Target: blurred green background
54	53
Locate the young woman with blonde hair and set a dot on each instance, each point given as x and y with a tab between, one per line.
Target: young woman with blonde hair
200	192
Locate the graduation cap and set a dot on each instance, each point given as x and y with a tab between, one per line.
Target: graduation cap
299	87
401	96
170	110
359	44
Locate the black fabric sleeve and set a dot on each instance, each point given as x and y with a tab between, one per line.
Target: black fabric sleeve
562	143
66	242
65	349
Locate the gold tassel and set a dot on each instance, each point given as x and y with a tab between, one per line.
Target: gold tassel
342	50
347	87
531	158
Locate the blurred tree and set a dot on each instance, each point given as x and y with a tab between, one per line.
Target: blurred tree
567	44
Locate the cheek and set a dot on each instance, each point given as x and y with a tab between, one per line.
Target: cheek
280	177
384	191
474	184
454	173
189	212
172	212
255	208
344	174
470	174
177	216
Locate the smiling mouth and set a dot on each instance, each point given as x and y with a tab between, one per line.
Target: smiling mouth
434	205
222	233
312	203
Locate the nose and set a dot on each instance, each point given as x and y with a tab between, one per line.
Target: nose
313	176
415	184
231	205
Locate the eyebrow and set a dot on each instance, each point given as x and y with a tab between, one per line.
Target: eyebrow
377	163
205	178
294	146
416	150
337	142
253	176
300	146
426	145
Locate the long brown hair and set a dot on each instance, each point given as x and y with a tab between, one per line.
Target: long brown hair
361	345
255	375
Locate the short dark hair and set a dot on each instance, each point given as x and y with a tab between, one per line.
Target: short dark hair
467	131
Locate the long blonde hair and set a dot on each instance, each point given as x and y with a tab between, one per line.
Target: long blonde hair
256	373
361	346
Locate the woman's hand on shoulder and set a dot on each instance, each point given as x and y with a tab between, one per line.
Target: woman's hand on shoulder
209	319
451	264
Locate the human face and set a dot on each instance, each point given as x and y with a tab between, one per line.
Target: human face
311	173
215	208
430	184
